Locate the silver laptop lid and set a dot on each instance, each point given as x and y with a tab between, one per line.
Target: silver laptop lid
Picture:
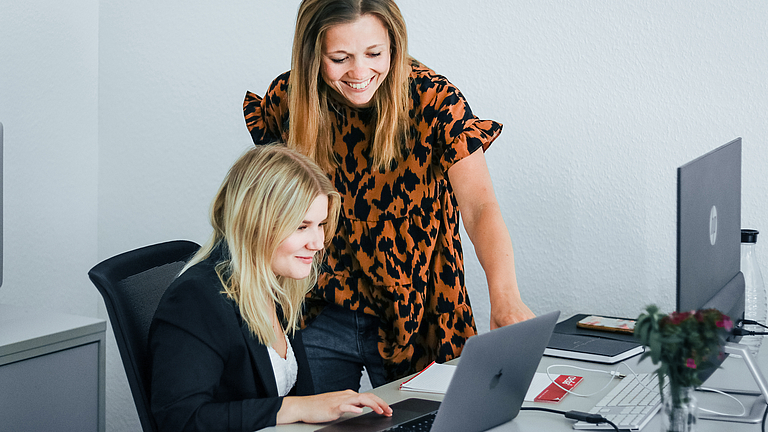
494	372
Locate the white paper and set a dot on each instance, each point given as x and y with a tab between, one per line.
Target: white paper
434	379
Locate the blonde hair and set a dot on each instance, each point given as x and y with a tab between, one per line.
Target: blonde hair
310	120
263	200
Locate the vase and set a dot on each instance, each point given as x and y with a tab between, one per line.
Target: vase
679	411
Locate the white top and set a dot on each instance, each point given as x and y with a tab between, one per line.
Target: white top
285	369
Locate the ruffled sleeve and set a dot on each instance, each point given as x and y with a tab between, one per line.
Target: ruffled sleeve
457	131
267	118
472	135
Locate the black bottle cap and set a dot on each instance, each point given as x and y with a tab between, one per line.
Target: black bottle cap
749	235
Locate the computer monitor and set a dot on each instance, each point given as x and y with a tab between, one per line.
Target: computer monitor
709	236
709	233
709	255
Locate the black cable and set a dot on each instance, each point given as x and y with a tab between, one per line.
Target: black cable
739	330
549	410
616	428
764	415
752	322
742	332
577	415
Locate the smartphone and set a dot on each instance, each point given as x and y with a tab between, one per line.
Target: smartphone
596	322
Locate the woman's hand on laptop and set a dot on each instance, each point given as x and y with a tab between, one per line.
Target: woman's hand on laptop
328	406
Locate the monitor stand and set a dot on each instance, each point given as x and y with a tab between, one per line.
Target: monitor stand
755	414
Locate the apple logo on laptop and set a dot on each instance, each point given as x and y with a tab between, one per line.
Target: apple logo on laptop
496	378
713	226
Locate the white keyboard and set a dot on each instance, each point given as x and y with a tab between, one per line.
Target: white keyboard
630	405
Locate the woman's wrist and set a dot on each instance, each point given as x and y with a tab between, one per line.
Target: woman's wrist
290	410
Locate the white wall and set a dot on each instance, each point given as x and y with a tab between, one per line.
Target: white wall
48	106
601	102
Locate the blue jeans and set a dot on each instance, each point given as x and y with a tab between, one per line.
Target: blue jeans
339	343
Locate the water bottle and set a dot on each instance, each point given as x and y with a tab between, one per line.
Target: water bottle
756	301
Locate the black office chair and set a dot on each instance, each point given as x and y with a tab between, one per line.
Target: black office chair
132	284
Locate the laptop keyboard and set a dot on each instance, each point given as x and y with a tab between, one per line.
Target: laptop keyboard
630	405
419	424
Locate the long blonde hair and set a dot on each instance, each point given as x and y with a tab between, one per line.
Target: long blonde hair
263	199
310	120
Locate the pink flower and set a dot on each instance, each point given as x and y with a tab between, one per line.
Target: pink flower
676	318
691	363
725	323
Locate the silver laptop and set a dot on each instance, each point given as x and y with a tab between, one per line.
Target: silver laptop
487	388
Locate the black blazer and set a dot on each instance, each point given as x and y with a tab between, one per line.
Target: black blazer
208	372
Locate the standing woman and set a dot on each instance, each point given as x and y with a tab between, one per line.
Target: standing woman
223	350
406	153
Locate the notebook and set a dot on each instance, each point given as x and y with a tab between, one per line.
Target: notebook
572	342
591	349
487	388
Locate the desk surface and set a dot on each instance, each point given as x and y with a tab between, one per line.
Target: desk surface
733	375
23	329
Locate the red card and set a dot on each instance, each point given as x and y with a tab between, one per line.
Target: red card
554	393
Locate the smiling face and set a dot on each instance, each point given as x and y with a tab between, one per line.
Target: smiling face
356	59
293	258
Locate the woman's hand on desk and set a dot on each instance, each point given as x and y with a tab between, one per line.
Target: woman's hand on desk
506	310
328	406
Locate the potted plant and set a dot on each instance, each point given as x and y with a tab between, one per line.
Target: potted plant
682	344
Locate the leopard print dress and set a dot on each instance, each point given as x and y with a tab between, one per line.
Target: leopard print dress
397	253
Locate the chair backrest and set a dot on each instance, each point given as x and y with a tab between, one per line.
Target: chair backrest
132	284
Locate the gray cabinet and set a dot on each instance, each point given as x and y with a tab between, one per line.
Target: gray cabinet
52	371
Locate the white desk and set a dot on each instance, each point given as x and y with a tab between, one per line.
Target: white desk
52	371
733	375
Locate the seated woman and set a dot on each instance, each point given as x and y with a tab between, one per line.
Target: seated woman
224	351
